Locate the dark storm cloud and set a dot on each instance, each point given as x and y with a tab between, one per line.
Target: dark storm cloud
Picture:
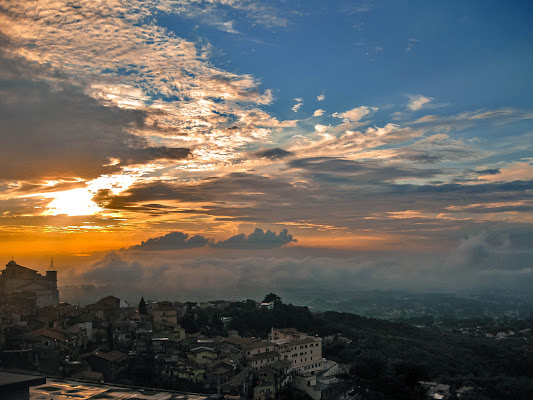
52	132
273	154
256	240
172	241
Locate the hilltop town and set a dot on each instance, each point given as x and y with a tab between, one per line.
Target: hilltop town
166	344
243	349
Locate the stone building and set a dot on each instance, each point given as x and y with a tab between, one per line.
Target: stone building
16	278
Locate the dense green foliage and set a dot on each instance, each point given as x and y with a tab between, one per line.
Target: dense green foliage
388	359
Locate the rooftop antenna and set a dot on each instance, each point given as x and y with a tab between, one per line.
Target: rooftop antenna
52	265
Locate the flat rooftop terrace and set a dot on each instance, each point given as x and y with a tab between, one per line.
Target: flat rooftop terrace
64	389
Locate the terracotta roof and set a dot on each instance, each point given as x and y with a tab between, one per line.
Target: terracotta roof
47	316
264	356
49	333
220	371
302	341
248	343
112	356
201	349
237	380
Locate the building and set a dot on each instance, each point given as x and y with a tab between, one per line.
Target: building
302	350
164	314
110	364
17	278
435	390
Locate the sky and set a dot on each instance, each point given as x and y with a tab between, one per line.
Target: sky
244	144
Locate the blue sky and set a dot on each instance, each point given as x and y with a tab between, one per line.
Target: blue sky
468	54
375	127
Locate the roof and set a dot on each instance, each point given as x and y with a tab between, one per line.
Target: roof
201	349
286	330
237	380
281	364
220	370
248	343
20	267
62	388
227	361
112	356
10	381
302	341
49	333
47	316
263	356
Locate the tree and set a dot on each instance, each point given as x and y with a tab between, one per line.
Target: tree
272	297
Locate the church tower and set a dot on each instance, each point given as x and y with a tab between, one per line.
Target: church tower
51	277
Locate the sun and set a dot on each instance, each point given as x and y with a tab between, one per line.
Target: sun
78	202
73	203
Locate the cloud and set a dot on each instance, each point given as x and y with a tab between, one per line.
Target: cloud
213	12
481	260
298	105
358	8
256	240
321	97
411	44
273	154
113	269
180	240
318	112
172	241
331	169
488	171
418	102
64	133
181	99
355	114
145	155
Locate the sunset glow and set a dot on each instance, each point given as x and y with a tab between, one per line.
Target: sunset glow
72	203
283	136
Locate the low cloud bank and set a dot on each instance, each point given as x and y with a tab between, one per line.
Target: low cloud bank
256	240
483	260
259	239
172	241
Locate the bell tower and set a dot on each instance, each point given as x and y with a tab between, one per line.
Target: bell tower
51	277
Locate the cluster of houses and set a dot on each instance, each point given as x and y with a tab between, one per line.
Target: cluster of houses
105	341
